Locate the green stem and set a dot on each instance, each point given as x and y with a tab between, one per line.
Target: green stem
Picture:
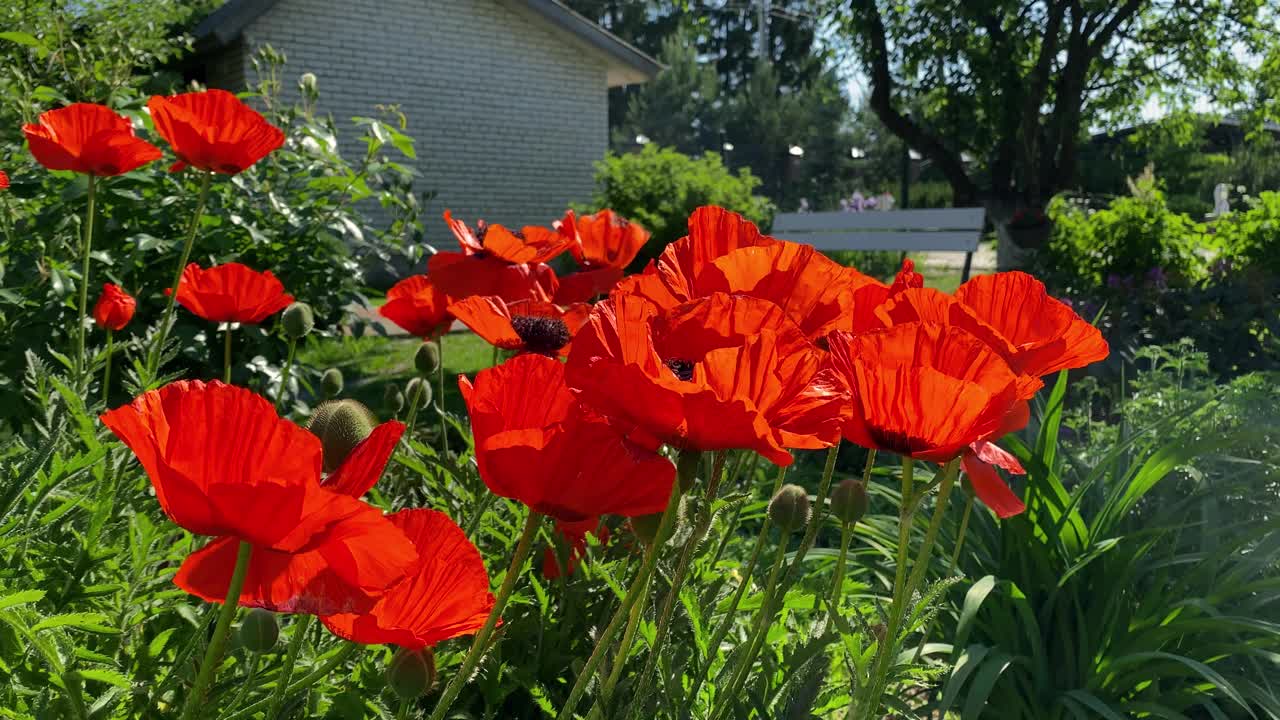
307	681
414	399
628	637
75	690
846	534
226	356
255	659
213	655
162	334
816	519
628	602
404	709
481	641
106	372
885	653
284	374
951	567
444	430
286	670
84	279
763	615
677	580
713	648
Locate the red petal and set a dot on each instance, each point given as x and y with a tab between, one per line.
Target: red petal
990	488
364	466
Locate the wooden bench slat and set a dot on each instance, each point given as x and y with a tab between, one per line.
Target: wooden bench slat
953	241
919	220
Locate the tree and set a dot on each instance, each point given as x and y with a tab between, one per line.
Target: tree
677	109
1016	84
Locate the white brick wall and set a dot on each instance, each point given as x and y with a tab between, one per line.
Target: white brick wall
509	113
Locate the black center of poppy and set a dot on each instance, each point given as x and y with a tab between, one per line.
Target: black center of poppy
897	442
682	369
544	335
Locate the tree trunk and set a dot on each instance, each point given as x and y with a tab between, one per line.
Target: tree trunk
1009	255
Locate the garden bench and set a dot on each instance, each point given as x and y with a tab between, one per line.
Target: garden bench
934	230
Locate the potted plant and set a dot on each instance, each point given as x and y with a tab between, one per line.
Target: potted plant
1030	228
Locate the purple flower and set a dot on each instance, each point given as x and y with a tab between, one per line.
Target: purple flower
1158	278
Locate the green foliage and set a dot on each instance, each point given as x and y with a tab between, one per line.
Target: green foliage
1112	598
1251	237
659	188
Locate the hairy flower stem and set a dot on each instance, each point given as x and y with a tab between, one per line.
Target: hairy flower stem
226	356
80	360
628	637
404	709
106	371
701	524
284	374
713	648
866	703
213	655
414	400
628	601
961	534
444	429
162	333
481	642
846	533
756	638
290	661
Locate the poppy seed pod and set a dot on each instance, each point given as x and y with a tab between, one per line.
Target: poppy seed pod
411	673
418	393
393	398
298	320
789	509
849	500
427	359
331	382
340	425
259	630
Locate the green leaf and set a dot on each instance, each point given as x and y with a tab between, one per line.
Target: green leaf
27	39
111	677
89	621
25	597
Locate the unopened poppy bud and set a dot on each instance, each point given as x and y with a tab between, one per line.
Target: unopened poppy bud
789	509
849	500
307	83
393	398
427	359
646	527
418	393
259	630
331	382
411	673
340	425
298	320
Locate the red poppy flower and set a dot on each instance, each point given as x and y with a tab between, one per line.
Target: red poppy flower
923	390
725	253
537	444
446	593
224	464
1045	335
363	466
213	131
523	325
575	535
461	275
4	180
530	244
231	292
982	458
718	373
603	244
418	306
114	308
88	138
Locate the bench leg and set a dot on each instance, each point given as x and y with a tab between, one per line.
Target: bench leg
968	263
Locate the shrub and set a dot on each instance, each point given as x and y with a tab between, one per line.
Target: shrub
659	188
1251	239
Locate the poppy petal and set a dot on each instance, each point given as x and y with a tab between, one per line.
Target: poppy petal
367	461
991	488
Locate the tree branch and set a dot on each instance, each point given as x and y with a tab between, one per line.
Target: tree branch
911	132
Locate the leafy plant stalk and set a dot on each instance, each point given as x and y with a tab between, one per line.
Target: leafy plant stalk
290	661
162	332
213	655
82	316
284	373
481	642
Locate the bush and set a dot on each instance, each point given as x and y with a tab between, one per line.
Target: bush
659	188
1133	238
1251	239
294	213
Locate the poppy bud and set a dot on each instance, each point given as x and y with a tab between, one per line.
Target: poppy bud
849	500
340	425
331	382
418	393
427	359
259	630
307	83
393	398
411	673
789	509
646	527
298	320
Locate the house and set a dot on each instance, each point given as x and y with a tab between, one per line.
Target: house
507	100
